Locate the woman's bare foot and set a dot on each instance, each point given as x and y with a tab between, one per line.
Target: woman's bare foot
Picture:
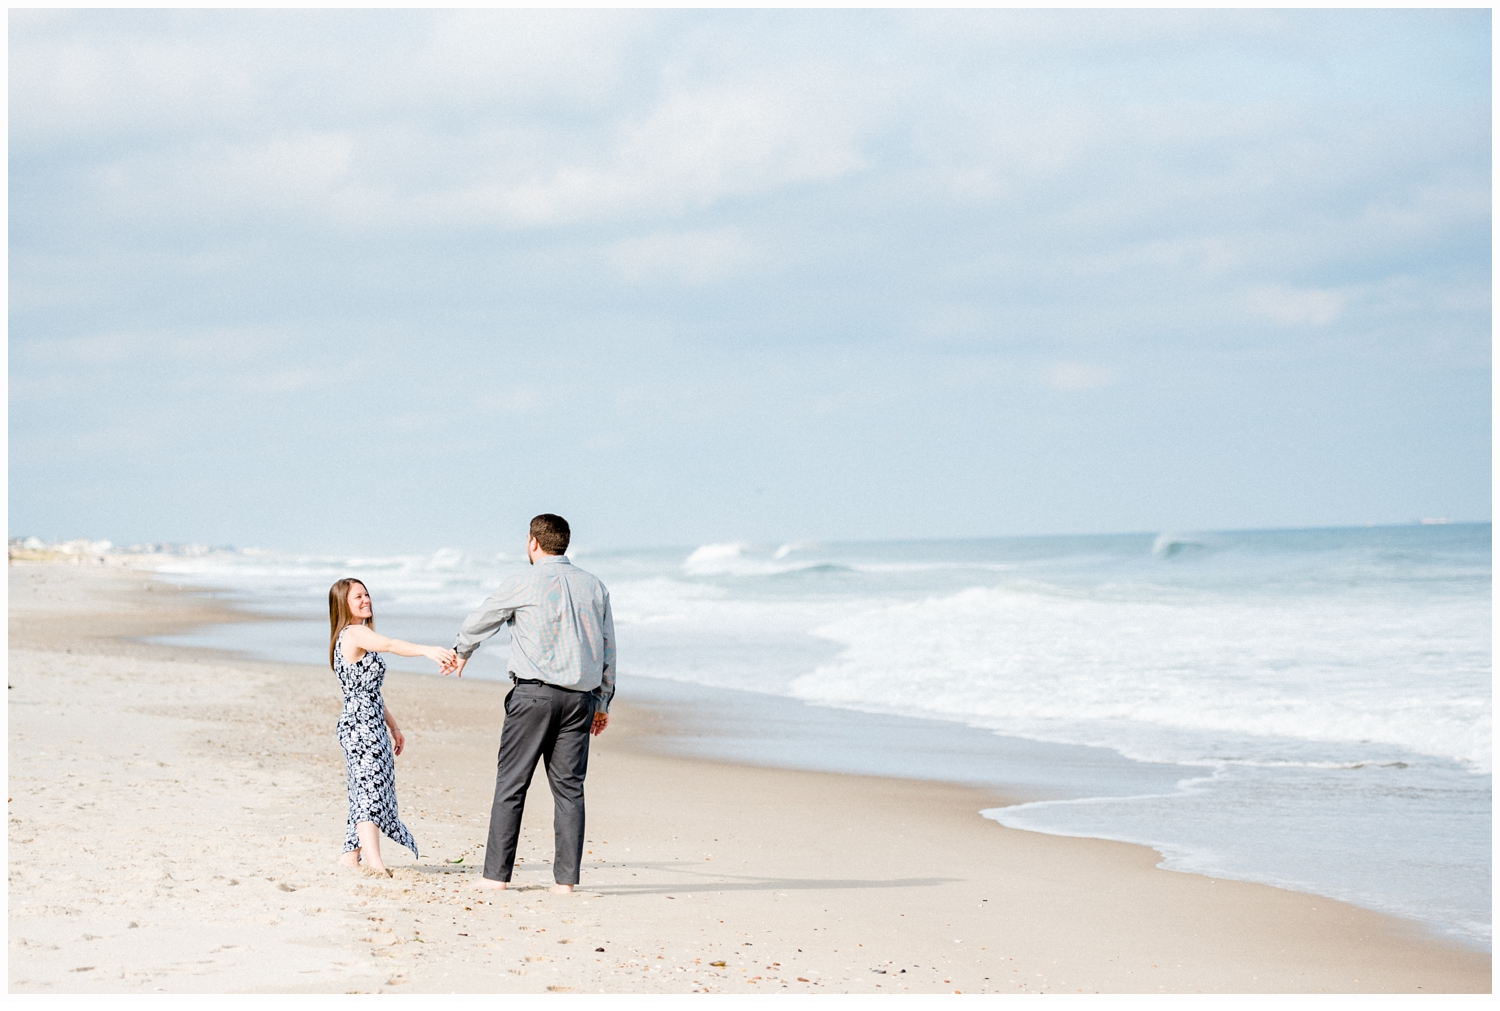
561	889
492	885
350	860
379	872
369	848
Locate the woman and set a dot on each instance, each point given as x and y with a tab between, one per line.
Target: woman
354	650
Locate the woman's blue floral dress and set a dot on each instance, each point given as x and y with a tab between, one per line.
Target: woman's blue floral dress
368	756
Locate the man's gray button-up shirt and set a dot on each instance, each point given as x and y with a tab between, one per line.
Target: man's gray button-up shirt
561	628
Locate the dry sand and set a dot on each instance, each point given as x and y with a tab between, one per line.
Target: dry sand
175	816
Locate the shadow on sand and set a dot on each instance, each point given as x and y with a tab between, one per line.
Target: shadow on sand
693	881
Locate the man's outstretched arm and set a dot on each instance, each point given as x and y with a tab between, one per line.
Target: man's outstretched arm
496	611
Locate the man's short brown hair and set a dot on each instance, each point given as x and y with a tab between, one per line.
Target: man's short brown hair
551	533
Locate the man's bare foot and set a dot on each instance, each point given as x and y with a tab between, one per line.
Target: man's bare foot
492	885
561	889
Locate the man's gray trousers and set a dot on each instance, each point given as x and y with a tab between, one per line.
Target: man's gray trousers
550	723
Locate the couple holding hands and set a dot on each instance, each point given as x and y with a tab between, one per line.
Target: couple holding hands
562	660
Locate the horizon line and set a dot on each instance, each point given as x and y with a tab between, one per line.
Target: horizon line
16	540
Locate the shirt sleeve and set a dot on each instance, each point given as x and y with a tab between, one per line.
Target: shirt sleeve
606	690
496	611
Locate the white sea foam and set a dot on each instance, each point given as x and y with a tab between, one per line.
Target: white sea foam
739	558
712	559
1179	681
1168	545
787	549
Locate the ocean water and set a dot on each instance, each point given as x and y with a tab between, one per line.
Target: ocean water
1306	708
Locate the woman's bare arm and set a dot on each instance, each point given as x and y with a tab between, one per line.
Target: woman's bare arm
397	740
371	641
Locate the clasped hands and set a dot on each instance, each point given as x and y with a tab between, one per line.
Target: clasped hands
447	660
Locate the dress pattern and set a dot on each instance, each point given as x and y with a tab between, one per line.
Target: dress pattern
368	757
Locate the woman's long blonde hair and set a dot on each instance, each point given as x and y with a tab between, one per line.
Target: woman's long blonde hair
339	616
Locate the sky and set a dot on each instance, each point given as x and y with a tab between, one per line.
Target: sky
397	280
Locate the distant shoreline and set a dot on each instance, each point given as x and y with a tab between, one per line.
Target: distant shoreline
79	550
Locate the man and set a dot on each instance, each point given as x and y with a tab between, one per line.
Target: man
562	660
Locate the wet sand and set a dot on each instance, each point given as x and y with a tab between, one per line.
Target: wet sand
175	815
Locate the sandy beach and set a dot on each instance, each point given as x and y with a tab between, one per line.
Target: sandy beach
175	815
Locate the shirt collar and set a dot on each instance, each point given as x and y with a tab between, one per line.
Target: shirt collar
552	560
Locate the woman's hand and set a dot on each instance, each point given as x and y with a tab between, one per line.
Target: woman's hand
398	740
446	659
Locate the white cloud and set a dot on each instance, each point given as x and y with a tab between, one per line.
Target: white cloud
288	380
1297	306
296	172
175	351
518	400
71	78
692	149
1074	377
80	353
688	151
690	257
513	56
953	322
516	118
